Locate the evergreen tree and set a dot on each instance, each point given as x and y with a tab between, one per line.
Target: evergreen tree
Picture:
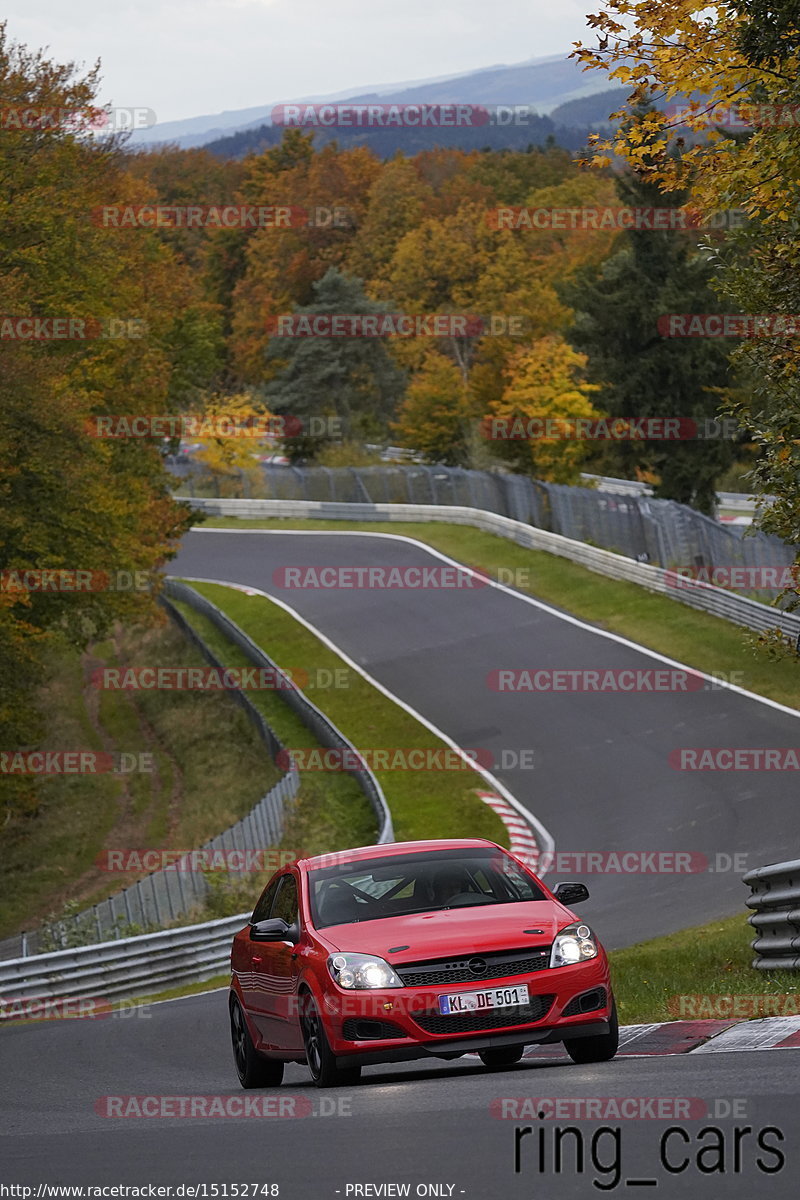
352	379
643	373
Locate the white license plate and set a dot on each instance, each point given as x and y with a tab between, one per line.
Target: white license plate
469	1002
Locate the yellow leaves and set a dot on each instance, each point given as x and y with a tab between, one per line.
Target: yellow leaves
434	416
684	47
224	454
545	383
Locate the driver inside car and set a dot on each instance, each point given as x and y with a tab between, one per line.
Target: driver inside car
449	882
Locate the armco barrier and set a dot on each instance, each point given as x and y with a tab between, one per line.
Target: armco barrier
715	600
645	528
323	729
776	899
166	894
136	966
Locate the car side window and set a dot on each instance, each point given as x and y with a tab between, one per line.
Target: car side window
264	904
286	901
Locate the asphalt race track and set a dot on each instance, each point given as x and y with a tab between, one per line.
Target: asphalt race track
403	1124
601	781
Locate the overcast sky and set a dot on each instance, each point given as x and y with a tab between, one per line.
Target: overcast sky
184	58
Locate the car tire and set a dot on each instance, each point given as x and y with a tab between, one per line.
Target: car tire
501	1056
596	1049
253	1069
319	1056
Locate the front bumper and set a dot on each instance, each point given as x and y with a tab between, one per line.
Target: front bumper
393	1024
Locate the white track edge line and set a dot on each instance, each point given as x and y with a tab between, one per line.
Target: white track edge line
547	844
605	633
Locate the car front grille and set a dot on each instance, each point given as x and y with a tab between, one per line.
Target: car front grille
497	1018
457	970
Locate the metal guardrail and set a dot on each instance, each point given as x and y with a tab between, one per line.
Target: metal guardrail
644	528
166	894
322	728
147	963
720	602
135	966
776	899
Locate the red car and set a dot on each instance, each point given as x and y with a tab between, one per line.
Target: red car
412	950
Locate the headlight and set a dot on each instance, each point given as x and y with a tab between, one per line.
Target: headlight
362	971
574	944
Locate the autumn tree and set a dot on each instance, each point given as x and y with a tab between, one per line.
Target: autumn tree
436	416
327	193
546	381
69	500
743	53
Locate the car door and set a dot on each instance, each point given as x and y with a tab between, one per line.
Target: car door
248	958
275	966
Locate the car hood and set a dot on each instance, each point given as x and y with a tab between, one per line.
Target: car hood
452	932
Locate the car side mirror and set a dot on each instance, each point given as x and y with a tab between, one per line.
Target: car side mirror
571	893
273	930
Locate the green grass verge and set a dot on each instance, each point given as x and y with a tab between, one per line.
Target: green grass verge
424	804
331	812
704	642
692	973
209	770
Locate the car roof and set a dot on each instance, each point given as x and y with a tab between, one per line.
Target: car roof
388	849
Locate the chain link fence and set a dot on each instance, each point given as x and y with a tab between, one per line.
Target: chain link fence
167	894
323	729
660	532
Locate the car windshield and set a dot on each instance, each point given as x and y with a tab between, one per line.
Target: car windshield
403	884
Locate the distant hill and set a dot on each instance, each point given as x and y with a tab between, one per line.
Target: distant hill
568	124
544	84
386	142
591	112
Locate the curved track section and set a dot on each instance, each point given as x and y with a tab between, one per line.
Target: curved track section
602	779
